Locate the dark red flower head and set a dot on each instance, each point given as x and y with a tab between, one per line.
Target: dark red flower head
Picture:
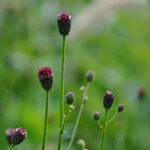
108	99
46	78
64	23
18	136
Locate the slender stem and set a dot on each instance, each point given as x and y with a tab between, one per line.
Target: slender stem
62	82
104	130
101	127
87	87
78	118
12	145
75	127
62	130
112	118
46	116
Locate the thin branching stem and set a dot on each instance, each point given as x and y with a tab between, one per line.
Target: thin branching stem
10	148
101	127
112	118
62	129
78	118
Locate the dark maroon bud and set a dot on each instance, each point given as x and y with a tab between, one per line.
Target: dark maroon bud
70	97
96	115
120	107
46	78
64	23
90	76
18	136
108	99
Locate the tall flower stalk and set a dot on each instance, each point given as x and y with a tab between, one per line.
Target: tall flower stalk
90	75
62	81
108	100
46	78
64	25
46	117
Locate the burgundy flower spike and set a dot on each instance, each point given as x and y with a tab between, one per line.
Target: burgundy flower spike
108	99
64	23
18	136
46	78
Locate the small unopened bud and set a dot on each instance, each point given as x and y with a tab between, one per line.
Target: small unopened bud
90	76
96	115
85	98
9	132
81	143
108	99
120	107
18	136
71	107
82	88
70	97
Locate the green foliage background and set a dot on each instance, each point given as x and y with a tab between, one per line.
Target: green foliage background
118	51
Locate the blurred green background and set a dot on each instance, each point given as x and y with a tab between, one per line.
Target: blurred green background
113	41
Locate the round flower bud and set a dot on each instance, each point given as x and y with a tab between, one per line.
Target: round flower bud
90	76
70	97
82	88
18	136
81	143
120	107
96	115
108	99
9	132
64	23
46	78
71	107
85	98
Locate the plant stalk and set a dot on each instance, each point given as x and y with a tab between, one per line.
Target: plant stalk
112	118
78	118
62	82
46	117
62	130
10	148
101	127
104	130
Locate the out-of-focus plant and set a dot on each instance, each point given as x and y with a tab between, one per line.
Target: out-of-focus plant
108	100
89	76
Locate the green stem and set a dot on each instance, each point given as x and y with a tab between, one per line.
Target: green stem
78	118
87	88
101	127
62	82
46	116
62	130
112	118
104	130
12	145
